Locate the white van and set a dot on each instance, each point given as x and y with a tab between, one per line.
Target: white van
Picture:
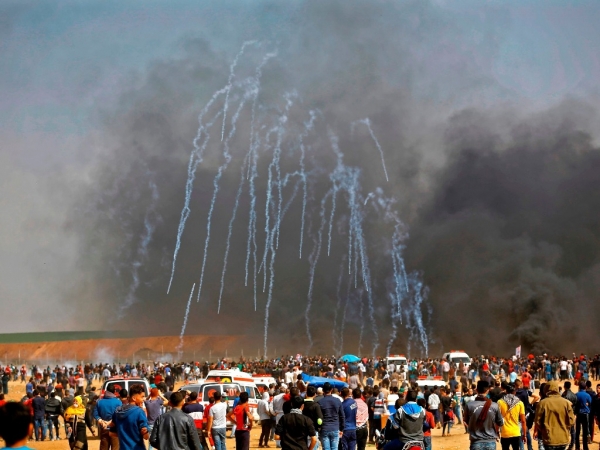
457	357
397	361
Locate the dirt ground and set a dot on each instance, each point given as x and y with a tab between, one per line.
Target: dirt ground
458	440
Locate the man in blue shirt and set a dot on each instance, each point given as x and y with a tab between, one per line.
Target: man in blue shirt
103	413
583	405
130	422
333	419
350	408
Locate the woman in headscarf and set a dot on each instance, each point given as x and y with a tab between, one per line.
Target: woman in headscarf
75	418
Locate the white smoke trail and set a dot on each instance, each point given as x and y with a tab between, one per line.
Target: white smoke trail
195	159
230	83
216	181
142	251
185	319
367	122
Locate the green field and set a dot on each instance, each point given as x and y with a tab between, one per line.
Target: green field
51	336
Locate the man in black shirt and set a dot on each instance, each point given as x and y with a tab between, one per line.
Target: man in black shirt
294	428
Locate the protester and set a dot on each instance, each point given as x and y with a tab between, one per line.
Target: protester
428	424
362	417
554	418
513	412
348	441
217	422
75	418
16	425
155	405
242	417
53	410
313	411
406	425
295	429
333	419
130	422
483	418
195	410
583	410
38	404
266	415
103	413
175	430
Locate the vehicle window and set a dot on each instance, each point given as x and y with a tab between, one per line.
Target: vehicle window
231	390
208	391
250	391
257	393
133	383
118	386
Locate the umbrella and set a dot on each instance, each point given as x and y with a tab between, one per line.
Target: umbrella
350	358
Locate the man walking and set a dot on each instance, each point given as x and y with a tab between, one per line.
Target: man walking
175	430
483	419
553	420
333	419
53	412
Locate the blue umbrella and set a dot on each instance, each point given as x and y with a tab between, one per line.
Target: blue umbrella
350	358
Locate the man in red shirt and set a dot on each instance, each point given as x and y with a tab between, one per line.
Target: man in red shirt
526	378
428	424
242	417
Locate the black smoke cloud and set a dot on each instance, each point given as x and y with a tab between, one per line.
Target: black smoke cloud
501	216
509	241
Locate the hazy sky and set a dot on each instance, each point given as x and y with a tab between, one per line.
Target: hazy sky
76	76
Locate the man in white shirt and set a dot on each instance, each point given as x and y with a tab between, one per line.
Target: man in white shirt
446	370
289	378
217	422
564	366
433	405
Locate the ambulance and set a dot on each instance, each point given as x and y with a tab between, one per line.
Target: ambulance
230	383
263	382
397	361
456	357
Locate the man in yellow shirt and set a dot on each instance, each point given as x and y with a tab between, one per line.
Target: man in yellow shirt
513	412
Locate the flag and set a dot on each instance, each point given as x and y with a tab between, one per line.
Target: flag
518	351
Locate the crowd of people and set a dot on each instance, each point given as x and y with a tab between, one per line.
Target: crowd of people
493	398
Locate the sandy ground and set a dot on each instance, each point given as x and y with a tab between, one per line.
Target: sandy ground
457	440
125	349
